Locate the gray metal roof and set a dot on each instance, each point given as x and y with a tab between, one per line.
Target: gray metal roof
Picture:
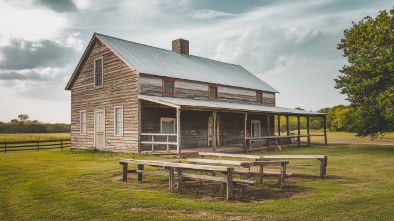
215	104
150	60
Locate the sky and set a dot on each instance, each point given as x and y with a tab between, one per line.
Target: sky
289	44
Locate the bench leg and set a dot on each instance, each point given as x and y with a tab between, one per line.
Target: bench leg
171	179
244	177
140	167
282	176
229	189
179	179
323	167
261	172
124	171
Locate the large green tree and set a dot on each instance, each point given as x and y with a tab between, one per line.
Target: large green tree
368	78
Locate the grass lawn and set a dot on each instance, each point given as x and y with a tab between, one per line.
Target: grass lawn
81	185
33	136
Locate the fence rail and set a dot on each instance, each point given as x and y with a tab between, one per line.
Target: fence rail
35	145
153	142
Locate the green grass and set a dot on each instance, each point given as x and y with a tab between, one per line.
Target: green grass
86	185
29	137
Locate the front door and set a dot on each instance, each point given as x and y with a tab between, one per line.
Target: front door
210	131
99	127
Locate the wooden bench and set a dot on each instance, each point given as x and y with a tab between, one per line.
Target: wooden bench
180	176
246	168
322	158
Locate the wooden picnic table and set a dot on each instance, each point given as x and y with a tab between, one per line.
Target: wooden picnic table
179	167
322	158
246	165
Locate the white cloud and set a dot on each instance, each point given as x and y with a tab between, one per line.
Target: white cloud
19	19
83	4
211	14
72	41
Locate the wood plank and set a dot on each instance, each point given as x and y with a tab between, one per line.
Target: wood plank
225	162
176	165
293	157
245	156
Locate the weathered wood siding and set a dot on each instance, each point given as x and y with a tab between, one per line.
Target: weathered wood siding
232	129
152	85
120	88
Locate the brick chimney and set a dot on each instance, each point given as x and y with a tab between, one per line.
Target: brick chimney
180	46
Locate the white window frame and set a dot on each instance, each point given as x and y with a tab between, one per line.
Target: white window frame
166	119
102	72
251	128
116	132
81	123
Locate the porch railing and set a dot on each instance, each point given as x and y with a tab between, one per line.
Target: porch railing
153	142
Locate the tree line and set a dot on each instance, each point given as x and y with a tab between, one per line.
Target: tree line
23	125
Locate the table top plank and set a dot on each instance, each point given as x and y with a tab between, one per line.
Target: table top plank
177	165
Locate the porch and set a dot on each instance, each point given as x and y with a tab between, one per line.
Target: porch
174	125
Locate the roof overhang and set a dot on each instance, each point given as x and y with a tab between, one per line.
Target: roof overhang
192	104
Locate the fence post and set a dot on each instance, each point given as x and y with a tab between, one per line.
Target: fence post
153	139
5	147
38	146
61	144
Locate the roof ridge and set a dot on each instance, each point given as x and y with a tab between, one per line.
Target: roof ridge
165	49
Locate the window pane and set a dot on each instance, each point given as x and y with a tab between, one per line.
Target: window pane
256	129
118	121
213	92
83	123
98	74
168	87
259	98
168	126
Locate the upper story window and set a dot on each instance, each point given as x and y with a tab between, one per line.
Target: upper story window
213	92
259	97
98	72
168	87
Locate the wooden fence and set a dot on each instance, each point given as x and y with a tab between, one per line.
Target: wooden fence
34	145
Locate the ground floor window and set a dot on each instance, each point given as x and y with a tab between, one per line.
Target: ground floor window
82	123
118	121
255	128
167	125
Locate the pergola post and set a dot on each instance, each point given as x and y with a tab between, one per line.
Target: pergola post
178	131
214	131
325	129
299	131
139	126
268	131
245	125
288	131
307	131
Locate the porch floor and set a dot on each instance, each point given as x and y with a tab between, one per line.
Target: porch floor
188	152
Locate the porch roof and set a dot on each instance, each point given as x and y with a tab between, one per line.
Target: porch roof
184	103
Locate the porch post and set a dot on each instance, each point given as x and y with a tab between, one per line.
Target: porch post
268	130
299	132
278	125
214	131
178	131
288	131
325	129
139	126
307	130
245	122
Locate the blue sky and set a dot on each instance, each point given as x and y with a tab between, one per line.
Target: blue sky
291	45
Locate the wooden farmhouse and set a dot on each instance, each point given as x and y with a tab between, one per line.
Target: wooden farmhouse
131	97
